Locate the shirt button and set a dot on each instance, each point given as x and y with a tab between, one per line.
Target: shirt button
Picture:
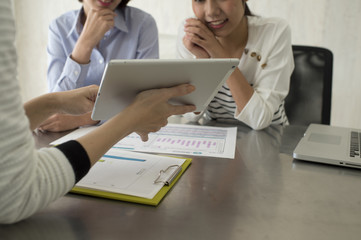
101	61
76	73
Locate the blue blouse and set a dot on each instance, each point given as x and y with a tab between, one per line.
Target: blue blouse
134	36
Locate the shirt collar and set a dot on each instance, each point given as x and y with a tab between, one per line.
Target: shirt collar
119	22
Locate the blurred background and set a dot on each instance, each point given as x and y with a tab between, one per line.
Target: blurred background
332	24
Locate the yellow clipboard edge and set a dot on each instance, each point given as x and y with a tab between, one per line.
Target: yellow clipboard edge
128	198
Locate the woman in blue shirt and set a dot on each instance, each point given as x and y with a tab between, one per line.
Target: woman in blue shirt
81	42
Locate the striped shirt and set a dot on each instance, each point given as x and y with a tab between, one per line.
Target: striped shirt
223	108
267	64
29	178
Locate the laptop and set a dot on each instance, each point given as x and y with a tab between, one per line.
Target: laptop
331	145
124	79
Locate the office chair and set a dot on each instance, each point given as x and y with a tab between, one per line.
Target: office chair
309	98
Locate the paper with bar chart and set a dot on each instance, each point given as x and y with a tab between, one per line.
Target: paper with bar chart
178	139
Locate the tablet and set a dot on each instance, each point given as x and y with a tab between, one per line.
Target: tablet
124	79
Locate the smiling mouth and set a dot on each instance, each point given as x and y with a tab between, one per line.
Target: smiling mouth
217	24
105	2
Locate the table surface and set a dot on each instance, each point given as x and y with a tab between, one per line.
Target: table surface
261	194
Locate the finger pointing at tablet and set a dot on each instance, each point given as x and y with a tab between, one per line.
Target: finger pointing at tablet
153	108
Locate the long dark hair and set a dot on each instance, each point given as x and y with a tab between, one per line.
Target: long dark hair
247	12
121	5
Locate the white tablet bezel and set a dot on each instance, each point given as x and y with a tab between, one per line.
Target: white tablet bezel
124	79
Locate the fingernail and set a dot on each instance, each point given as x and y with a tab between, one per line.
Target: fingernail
190	88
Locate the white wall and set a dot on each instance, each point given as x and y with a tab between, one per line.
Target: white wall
169	15
327	23
32	21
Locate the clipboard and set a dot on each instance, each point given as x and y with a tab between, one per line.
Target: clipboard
128	198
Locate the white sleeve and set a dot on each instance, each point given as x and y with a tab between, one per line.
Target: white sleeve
63	72
272	84
182	51
29	179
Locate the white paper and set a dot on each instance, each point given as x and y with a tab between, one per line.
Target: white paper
129	173
177	139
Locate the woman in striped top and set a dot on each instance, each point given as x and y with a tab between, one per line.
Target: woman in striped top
254	94
29	178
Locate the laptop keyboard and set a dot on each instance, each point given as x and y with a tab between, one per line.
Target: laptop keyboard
355	144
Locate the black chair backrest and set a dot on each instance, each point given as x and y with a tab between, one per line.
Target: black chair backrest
309	98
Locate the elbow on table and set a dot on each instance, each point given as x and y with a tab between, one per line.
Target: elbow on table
13	216
15	207
261	124
260	127
9	220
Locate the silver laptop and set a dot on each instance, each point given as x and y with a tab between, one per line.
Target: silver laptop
124	79
331	145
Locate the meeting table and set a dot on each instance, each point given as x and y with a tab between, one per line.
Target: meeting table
263	193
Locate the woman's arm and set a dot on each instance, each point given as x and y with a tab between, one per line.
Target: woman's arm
31	179
202	43
272	83
63	122
77	101
148	113
68	70
256	104
63	73
98	22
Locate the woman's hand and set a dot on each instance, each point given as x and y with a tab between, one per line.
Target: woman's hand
148	113
151	109
63	122
74	110
78	101
97	23
201	41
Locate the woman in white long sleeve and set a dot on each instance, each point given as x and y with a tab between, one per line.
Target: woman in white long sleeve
29	178
254	94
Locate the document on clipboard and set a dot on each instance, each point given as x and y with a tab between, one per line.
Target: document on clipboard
131	176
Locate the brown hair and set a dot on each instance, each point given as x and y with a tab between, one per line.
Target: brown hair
121	5
247	12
